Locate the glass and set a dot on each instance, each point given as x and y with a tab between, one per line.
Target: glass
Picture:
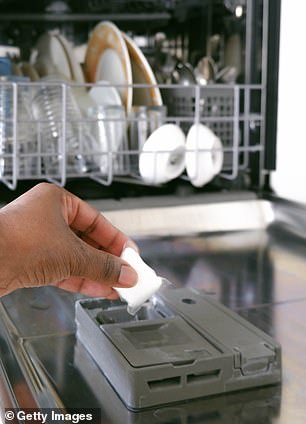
62	129
144	120
21	121
109	127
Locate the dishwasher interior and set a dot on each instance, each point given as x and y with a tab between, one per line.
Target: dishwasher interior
193	84
214	65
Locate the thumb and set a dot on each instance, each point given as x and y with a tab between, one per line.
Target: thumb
103	267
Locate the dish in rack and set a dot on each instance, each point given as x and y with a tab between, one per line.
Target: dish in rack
107	59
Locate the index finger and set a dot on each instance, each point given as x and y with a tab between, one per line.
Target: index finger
87	220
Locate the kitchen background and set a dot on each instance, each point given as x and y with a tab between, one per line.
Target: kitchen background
288	179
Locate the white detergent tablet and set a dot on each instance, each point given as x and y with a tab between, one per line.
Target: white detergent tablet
148	282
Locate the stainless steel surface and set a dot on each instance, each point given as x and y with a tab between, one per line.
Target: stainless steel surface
183	74
260	272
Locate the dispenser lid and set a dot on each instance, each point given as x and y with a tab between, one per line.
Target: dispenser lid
159	341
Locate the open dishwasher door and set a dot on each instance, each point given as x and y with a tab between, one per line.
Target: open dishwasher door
258	273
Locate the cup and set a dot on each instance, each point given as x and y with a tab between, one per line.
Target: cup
28	160
162	158
5	66
204	155
144	120
109	128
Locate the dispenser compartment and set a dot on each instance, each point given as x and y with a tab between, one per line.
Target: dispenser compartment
180	345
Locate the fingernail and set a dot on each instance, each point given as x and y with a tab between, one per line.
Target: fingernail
128	276
131	244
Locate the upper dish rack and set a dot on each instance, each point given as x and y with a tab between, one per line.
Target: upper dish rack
49	130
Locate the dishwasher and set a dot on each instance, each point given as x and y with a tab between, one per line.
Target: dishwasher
205	218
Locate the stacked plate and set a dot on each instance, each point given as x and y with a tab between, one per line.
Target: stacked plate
123	95
54	55
113	56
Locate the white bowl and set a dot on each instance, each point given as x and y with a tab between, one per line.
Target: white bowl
204	155
163	155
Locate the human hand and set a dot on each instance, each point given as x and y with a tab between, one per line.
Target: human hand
49	236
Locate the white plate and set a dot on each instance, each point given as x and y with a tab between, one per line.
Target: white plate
104	94
163	155
142	74
75	68
79	52
84	100
49	57
107	59
204	155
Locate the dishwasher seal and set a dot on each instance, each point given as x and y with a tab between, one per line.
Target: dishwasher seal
181	345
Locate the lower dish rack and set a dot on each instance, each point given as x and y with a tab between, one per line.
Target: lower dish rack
53	130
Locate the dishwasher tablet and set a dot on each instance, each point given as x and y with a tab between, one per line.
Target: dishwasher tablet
147	284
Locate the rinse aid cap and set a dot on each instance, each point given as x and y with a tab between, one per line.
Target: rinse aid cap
148	282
